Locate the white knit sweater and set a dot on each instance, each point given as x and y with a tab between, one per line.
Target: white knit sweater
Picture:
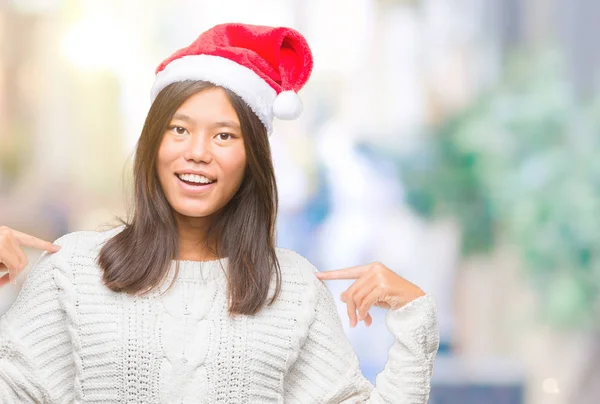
68	338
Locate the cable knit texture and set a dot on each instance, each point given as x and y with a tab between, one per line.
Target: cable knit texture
68	338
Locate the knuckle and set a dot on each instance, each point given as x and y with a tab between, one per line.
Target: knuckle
6	233
377	266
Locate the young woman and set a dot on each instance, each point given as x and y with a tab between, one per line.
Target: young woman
190	301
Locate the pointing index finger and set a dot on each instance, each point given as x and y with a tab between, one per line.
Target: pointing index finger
344	273
34	242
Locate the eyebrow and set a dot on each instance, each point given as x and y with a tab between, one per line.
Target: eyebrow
218	124
183	117
227	124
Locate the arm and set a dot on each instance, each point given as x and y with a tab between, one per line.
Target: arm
327	368
36	360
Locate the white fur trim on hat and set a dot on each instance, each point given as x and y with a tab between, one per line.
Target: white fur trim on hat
222	72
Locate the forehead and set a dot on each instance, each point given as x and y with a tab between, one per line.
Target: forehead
207	105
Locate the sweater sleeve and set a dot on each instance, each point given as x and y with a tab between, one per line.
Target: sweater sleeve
36	360
327	368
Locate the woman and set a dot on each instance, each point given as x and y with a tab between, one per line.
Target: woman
190	301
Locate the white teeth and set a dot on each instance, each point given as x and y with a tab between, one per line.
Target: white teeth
195	178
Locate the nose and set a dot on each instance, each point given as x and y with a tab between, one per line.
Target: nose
199	149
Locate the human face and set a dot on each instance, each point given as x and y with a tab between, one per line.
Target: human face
204	140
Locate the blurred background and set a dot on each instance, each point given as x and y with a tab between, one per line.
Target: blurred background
455	141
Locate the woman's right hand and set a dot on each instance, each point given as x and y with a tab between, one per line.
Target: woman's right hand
12	258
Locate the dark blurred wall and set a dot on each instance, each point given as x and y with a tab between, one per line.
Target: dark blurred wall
572	25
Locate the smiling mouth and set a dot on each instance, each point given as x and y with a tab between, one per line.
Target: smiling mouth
195	181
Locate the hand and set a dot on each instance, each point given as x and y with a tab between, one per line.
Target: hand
376	285
12	258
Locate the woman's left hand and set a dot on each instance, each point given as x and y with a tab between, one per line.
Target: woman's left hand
376	285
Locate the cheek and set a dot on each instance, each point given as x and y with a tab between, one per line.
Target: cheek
239	167
233	166
166	155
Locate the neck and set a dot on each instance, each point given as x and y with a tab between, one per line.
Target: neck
192	233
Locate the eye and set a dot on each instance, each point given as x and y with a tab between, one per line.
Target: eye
178	130
225	136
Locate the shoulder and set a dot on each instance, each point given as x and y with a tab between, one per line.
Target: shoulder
87	237
298	274
313	297
295	265
300	289
82	246
77	255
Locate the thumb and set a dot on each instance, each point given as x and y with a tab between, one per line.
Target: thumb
4	279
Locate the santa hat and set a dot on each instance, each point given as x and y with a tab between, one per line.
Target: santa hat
264	66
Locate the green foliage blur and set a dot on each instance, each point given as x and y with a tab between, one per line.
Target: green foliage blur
522	166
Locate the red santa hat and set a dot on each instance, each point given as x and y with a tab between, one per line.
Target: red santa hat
264	66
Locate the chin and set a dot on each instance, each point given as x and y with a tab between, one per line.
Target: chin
195	213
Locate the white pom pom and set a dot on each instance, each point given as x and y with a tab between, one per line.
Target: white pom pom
287	105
